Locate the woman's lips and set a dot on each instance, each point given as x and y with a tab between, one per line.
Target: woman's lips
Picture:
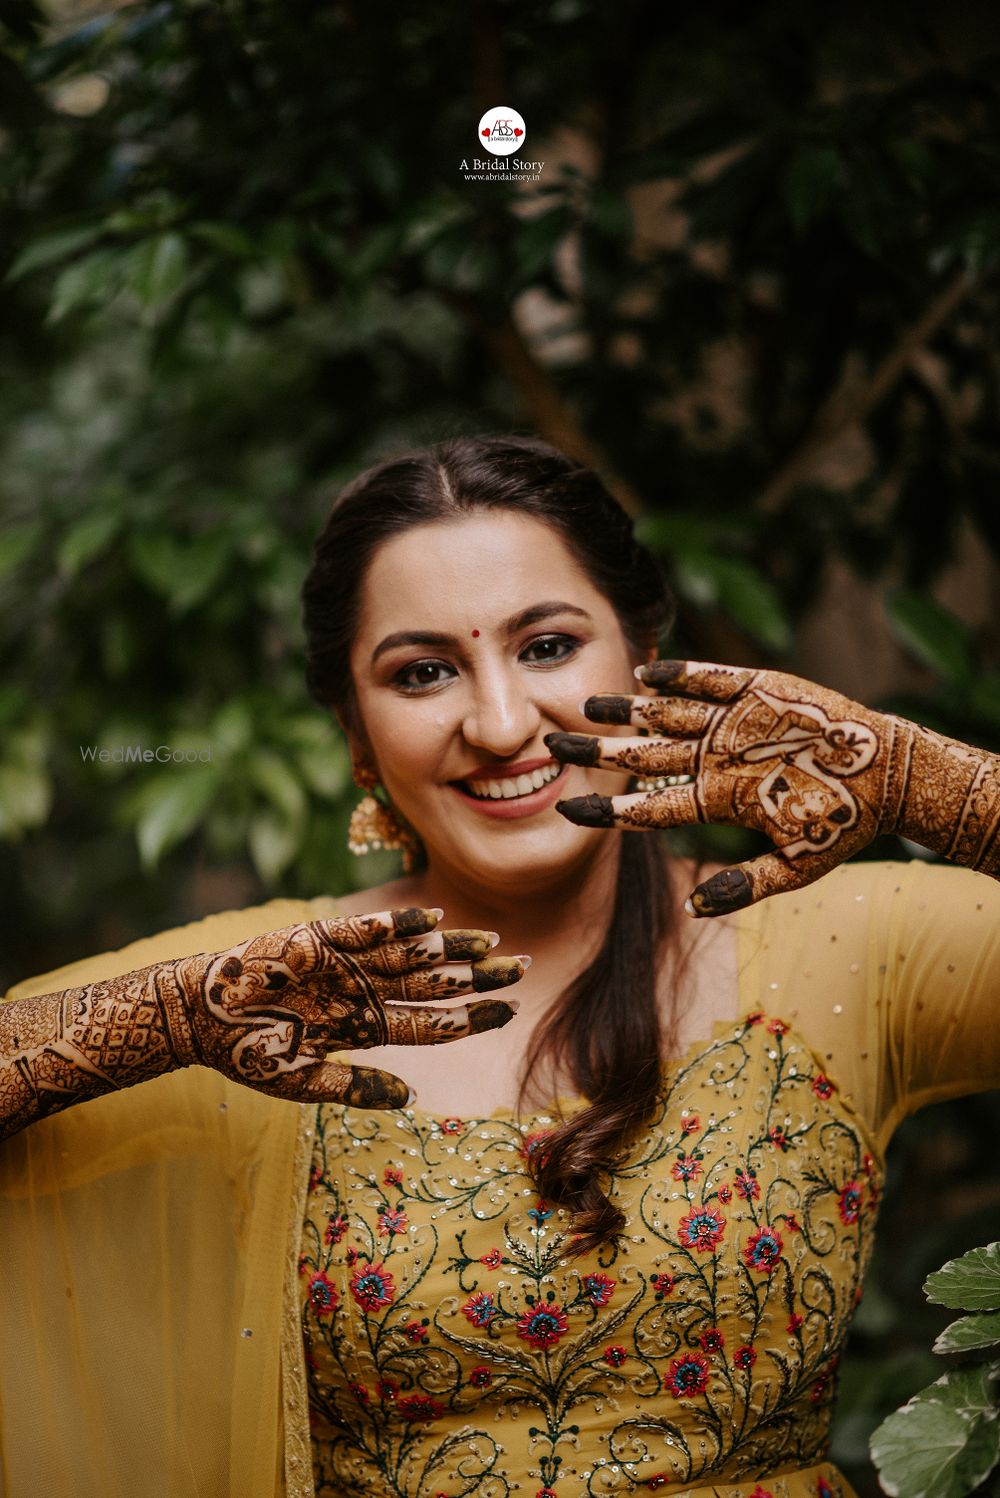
514	806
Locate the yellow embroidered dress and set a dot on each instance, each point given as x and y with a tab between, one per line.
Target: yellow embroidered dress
453	1348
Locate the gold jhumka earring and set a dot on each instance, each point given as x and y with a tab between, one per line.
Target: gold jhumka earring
373	824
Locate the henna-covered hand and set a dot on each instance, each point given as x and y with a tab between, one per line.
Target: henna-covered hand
265	1012
821	775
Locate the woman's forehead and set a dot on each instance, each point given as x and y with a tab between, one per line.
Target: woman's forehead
489	563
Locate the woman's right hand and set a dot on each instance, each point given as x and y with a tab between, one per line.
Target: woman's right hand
267	1011
264	1012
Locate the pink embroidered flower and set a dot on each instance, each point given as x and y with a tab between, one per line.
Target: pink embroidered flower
451	1126
542	1326
822	1086
390	1222
725	1193
867	1164
598	1288
662	1284
372	1286
849	1205
614	1356
481	1377
760	1492
480	1309
393	1175
763	1250
360	1393
386	1390
691	1124
794	1322
658	1480
351	1256
779	1138
493	1259
712	1340
420	1409
792	1223
756	1018
315	1177
687	1376
686	1168
303	1264
744	1357
546	1493
335	1228
778	1027
823	1488
415	1331
747	1185
323	1296
533	1142
702	1230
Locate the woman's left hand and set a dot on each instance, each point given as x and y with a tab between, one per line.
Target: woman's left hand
819	774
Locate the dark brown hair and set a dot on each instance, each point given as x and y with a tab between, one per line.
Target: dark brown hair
605	1027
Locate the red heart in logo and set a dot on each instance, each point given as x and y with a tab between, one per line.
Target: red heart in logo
518	132
487	134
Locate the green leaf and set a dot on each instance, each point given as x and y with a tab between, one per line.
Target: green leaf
969	1283
981	1329
736	586
17	542
226	238
86	540
943	1442
183	572
279	784
932	633
25	798
274	842
174	811
49	248
157	267
810	183
95	279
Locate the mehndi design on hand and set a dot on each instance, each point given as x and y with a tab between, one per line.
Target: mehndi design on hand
265	1012
821	775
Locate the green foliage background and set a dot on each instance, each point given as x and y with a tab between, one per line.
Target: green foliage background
240	262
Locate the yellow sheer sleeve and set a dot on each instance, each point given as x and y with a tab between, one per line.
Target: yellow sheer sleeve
891	973
145	1242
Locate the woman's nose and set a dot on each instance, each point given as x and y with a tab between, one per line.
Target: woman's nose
502	716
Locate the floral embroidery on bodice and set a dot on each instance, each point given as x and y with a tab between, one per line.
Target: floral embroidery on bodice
455	1348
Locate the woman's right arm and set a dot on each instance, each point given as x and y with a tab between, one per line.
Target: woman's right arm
265	1013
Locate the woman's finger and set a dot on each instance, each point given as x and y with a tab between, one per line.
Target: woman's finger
434	947
674	806
451	979
357	933
705	679
337	1082
640	756
435	1026
756	879
671	715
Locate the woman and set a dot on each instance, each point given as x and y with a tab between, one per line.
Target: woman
644	1285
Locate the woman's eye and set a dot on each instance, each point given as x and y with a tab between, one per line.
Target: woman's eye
422	674
550	649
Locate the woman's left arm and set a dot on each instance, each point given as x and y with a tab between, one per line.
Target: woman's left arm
821	775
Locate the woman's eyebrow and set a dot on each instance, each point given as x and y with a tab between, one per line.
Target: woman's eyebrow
533	615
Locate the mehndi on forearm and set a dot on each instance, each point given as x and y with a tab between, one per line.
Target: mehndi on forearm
63	1048
949	796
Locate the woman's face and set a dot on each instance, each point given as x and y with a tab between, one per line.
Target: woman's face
476	638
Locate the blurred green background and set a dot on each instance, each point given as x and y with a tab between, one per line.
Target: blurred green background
756	286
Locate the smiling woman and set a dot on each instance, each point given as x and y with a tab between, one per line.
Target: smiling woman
615	1241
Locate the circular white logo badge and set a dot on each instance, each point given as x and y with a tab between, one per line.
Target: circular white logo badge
501	130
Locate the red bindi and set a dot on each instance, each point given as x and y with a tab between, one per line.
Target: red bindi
475	634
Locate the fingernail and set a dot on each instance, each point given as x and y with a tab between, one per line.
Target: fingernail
413	1096
574	748
494	937
523	959
436	910
608	708
690	908
588	811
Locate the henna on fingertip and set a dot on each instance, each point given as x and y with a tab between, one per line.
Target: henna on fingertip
588	811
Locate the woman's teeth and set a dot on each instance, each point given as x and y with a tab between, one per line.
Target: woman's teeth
506	790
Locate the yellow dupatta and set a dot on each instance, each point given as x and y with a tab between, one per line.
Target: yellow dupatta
149	1335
